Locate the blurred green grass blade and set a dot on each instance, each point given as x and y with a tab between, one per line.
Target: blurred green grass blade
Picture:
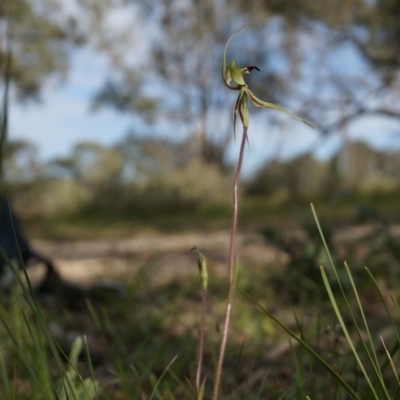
359	303
68	387
329	256
314	354
23	356
161	377
299	360
324	241
14	270
391	362
71	384
373	361
4	376
93	313
200	396
30	298
385	304
348	337
299	379
374	364
89	360
396	345
50	341
42	366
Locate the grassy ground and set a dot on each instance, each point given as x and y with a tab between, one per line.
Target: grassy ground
132	338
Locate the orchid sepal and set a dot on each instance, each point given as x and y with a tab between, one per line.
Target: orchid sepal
263	104
225	70
236	109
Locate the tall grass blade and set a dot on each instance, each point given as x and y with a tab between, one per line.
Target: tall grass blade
394	326
373	361
161	377
374	364
200	396
313	353
299	378
4	376
23	356
373	352
89	360
347	334
391	362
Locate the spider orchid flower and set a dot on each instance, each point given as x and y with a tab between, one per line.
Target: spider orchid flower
233	77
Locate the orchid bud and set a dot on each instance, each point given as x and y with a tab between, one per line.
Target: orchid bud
202	264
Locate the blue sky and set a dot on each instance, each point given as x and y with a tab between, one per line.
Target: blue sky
64	118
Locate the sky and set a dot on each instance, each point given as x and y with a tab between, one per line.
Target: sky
63	118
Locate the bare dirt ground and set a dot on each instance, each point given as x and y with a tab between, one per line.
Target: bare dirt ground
169	256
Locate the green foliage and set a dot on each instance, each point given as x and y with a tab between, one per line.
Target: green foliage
366	355
367	171
153	324
373	380
42	37
289	41
33	348
378	20
300	177
71	385
376	247
301	279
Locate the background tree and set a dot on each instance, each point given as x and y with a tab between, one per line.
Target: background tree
34	43
331	62
363	37
42	36
21	163
179	69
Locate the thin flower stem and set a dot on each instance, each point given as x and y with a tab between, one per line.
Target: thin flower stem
201	341
235	207
231	267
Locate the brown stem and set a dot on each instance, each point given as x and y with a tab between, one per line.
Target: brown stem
231	267
201	341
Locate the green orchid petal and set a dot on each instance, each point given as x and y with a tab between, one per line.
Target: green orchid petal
227	77
237	74
232	74
226	70
236	109
244	111
259	103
